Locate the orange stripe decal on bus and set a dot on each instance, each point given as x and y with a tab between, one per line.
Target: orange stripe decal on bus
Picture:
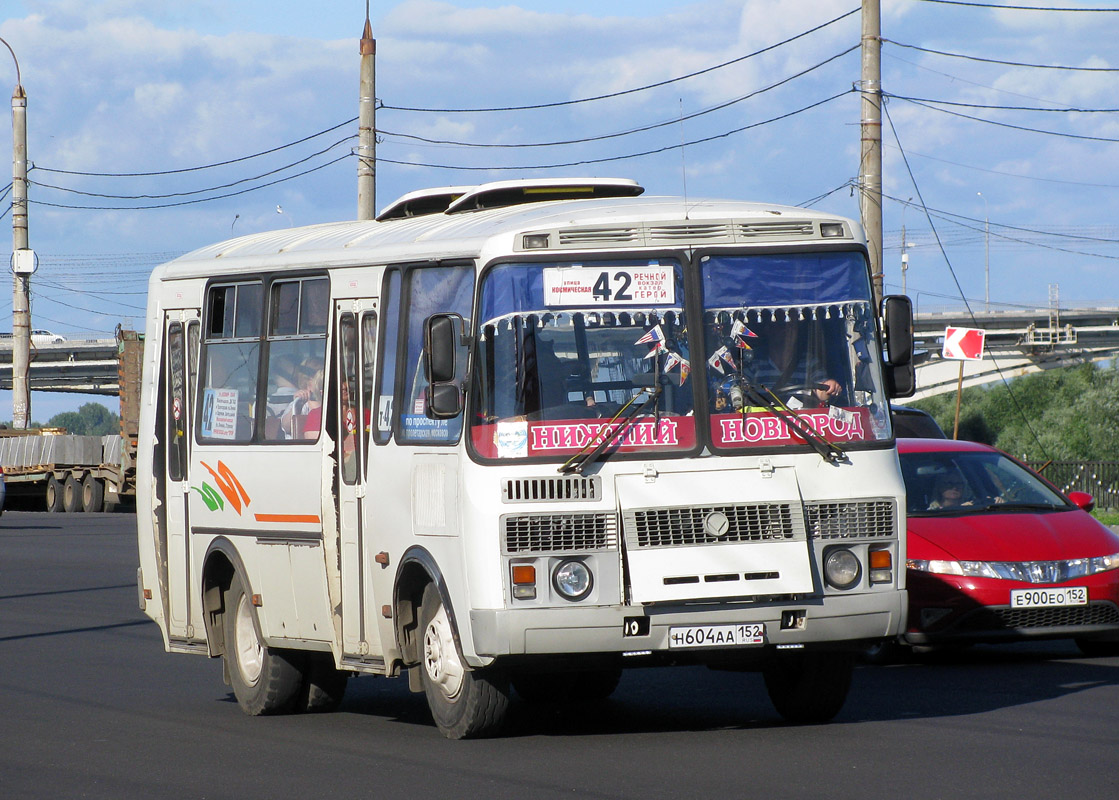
230	487
311	519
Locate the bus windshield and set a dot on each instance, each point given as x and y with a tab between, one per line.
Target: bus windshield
571	354
791	334
565	351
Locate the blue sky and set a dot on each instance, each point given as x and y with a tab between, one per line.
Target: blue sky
127	86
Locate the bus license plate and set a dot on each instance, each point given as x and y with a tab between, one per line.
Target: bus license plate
717	635
1047	598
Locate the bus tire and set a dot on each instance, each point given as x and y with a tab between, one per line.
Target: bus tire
324	686
575	687
93	494
264	680
71	495
808	687
54	494
465	703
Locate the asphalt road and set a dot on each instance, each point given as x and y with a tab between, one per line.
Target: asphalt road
91	707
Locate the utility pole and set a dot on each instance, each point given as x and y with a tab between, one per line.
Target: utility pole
22	258
870	163
367	127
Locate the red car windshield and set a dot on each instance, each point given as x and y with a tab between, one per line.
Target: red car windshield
945	482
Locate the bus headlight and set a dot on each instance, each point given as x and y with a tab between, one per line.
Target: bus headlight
841	568
572	580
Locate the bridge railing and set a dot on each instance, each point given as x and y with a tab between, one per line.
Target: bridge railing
1098	478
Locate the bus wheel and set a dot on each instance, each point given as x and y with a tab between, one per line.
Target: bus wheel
54	494
464	703
93	494
265	680
323	685
71	495
809	687
552	687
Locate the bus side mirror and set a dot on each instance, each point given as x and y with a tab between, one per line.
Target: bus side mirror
441	340
897	320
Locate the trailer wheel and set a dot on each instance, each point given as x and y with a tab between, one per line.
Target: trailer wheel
71	495
265	680
54	494
93	494
465	703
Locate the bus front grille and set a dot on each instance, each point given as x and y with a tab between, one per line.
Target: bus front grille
558	533
552	488
699	525
859	519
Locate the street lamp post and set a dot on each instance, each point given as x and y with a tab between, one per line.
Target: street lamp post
986	253
22	258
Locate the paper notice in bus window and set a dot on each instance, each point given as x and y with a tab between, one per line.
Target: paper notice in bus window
511	439
219	413
609	286
384	412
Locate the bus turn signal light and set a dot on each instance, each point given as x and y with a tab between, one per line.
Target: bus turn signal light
524	581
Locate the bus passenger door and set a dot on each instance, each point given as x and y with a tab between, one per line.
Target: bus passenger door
180	359
356	327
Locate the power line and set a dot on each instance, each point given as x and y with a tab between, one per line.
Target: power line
624	92
996	107
204	166
199	200
1000	61
998	6
194	191
606	159
1012	174
631	131
1001	124
952	272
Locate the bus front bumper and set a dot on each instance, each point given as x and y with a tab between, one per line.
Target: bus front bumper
637	629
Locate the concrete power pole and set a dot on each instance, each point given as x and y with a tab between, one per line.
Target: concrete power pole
367	127
870	164
22	259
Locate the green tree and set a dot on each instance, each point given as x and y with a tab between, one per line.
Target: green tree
1066	414
91	419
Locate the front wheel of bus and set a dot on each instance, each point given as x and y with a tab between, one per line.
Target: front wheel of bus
264	680
465	703
809	687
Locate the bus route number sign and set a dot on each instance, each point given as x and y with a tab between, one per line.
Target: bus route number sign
613	286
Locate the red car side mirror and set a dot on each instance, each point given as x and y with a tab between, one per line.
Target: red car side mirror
1082	500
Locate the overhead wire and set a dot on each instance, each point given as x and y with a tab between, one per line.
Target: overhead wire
1001	6
197	200
196	191
997	60
203	166
1025	128
956	280
643	129
624	92
653	151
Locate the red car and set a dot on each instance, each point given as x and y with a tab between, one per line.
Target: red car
996	553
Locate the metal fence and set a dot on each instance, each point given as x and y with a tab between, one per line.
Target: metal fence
1098	478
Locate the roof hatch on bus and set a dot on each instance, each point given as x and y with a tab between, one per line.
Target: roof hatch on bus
498	194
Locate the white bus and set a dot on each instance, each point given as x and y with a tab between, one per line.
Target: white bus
522	436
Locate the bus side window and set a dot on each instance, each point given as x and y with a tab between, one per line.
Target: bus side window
298	310
230	362
381	405
432	290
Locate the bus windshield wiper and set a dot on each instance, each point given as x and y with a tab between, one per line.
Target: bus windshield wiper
765	397
626	414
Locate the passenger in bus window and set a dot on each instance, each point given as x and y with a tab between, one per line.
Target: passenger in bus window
307	400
